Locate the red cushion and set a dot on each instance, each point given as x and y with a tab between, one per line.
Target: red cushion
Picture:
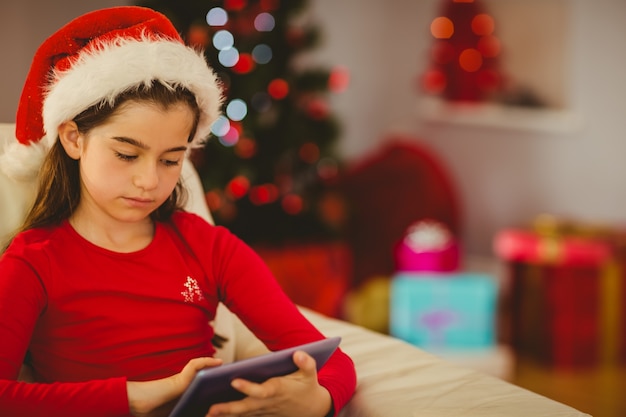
401	182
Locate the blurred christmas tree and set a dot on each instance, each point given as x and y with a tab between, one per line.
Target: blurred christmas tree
267	172
465	54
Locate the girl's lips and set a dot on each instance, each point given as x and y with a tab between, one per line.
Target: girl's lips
138	201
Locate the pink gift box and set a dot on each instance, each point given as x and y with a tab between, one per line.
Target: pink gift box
428	246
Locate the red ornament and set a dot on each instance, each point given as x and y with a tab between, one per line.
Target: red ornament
231	137
339	79
309	152
434	81
332	207
483	24
327	169
292	204
213	200
228	212
317	109
198	36
295	36
470	60
442	52
245	148
442	28
278	89
269	5
238	186
235	5
489	46
263	194
245	64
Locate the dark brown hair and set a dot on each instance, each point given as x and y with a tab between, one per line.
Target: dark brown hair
58	191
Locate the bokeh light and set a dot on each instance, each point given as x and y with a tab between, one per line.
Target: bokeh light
245	148
263	194
339	79
230	138
223	39
217	17
332	207
221	126
442	28
309	152
327	168
278	89
213	200
292	204
489	46
483	24
317	108
269	5
236	109
262	53
434	81
235	4
264	22
228	57
238	186
442	52
261	101
244	64
470	60
198	36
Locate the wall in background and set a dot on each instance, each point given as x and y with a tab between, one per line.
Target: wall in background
23	27
505	175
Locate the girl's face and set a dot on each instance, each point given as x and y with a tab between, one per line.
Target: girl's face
130	165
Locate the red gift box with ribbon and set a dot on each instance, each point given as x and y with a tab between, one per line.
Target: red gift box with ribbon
568	293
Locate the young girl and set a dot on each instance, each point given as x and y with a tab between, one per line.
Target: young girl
107	290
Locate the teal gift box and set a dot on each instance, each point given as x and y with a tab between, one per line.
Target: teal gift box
438	311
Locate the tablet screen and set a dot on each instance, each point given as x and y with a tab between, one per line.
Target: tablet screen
212	385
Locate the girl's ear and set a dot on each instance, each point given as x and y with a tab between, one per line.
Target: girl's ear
71	139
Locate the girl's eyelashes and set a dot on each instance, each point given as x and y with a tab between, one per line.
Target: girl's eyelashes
170	163
129	158
125	157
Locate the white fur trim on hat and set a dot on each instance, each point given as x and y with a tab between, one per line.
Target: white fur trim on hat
102	73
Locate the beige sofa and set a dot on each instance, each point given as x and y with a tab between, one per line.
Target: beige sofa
395	379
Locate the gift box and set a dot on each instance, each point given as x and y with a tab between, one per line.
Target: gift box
444	312
427	246
567	294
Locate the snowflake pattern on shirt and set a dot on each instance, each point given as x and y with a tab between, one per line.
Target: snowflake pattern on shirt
192	292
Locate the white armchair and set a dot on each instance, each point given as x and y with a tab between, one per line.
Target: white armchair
395	379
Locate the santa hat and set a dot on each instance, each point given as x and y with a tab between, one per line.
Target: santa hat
93	59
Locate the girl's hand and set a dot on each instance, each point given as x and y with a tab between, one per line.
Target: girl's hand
297	394
155	398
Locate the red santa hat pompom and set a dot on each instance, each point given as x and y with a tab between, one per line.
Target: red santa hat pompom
93	59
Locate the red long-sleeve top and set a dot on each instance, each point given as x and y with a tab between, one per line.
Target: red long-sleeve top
90	319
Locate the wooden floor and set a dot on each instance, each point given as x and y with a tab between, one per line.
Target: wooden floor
600	392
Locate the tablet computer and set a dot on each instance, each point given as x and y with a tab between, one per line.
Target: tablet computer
212	385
